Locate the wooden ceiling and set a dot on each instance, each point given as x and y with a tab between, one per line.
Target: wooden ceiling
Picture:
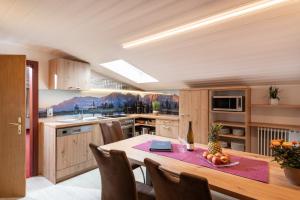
262	47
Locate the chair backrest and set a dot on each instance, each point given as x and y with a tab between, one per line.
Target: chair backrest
117	178
167	186
111	132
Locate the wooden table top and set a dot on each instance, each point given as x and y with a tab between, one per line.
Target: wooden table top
278	187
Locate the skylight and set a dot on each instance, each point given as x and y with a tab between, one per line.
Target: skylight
129	71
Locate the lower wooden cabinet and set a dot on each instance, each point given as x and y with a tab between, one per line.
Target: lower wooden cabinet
69	155
167	128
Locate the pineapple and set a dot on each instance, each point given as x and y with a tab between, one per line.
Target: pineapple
214	145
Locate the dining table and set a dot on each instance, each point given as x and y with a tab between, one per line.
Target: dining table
277	188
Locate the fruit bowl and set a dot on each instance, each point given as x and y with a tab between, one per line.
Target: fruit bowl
219	159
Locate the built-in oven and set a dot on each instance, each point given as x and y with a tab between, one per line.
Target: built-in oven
228	103
127	126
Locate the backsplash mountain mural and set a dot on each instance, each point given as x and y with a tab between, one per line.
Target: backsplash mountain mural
69	102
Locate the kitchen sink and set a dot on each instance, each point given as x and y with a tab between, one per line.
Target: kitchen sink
69	120
89	118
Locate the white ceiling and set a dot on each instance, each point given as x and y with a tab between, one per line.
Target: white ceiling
259	47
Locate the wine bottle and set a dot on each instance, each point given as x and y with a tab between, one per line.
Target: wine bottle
190	138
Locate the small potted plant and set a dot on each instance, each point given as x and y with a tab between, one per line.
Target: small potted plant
155	107
273	94
287	154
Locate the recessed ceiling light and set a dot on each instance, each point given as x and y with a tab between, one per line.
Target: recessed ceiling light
204	22
129	71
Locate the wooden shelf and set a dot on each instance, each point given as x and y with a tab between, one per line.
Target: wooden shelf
139	124
233	136
271	125
277	106
227	112
233	124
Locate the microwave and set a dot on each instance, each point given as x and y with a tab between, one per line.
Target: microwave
228	103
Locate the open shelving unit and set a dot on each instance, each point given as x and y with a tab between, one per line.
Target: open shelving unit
147	123
276	106
233	119
143	124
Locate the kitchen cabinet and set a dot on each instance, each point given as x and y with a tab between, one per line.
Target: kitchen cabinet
68	75
193	106
167	128
64	156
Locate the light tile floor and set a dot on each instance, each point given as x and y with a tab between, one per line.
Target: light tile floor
83	187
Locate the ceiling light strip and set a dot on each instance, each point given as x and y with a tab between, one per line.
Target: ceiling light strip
204	22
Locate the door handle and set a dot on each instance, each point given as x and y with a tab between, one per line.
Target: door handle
18	124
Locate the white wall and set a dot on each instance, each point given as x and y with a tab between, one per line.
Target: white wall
42	56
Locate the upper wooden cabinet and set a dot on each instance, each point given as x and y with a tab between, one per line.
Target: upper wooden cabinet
193	106
68	74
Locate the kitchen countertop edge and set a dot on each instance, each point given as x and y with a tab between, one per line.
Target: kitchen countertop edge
56	124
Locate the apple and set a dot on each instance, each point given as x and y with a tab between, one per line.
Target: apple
225	159
209	157
218	154
205	153
225	154
216	160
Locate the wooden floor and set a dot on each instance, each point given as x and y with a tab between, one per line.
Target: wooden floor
83	187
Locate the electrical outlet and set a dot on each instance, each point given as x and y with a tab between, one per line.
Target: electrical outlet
49	112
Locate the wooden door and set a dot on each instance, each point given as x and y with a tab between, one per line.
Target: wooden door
12	126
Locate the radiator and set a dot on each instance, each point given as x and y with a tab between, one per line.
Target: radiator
265	135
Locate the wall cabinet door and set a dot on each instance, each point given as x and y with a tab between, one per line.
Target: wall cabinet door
68	75
193	106
82	73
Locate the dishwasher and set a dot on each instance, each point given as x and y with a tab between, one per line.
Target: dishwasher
72	148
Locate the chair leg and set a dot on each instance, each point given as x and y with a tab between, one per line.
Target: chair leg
143	174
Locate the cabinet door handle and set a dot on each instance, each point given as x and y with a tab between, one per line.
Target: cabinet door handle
166	127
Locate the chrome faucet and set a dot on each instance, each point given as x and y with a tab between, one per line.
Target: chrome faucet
81	114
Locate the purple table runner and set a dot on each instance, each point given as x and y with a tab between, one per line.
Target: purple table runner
249	168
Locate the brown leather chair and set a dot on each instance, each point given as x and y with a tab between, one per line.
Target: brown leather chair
117	178
112	132
168	186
